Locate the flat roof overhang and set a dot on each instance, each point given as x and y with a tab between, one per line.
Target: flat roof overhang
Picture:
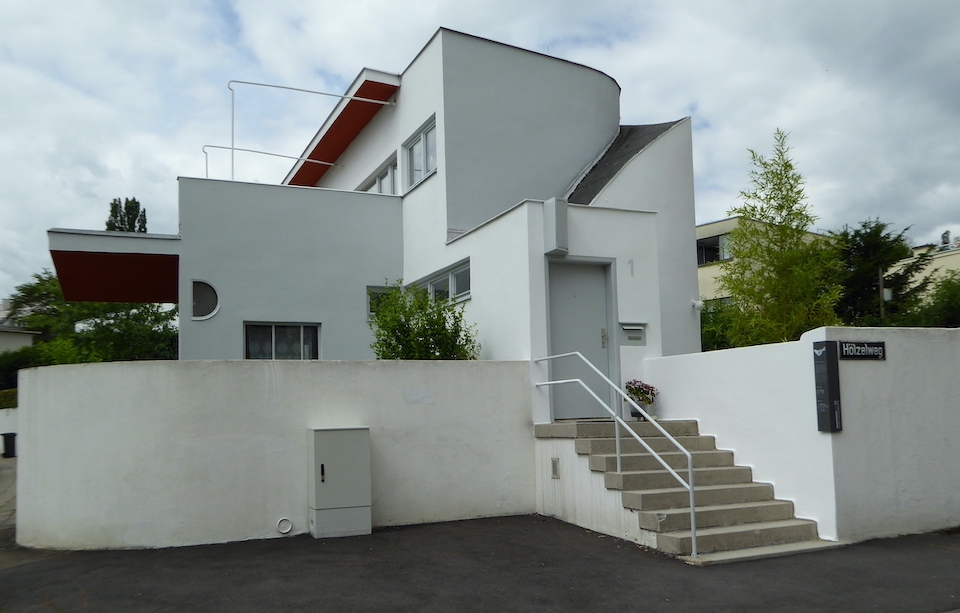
344	124
95	266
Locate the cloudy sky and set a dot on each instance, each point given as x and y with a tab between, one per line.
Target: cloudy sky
116	98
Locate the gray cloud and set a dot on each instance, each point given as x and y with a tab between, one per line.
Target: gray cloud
109	99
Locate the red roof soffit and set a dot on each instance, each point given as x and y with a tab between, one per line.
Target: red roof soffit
346	126
117	277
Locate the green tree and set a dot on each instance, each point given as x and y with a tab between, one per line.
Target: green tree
127	217
408	324
941	304
781	278
92	331
868	253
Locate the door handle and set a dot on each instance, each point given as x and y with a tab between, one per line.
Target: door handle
603	338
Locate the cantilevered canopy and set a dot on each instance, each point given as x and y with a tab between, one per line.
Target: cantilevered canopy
344	124
95	266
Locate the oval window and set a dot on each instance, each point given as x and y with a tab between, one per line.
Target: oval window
205	299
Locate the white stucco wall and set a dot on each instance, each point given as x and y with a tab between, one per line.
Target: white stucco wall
518	125
890	471
895	463
8	420
660	178
759	402
286	255
212	451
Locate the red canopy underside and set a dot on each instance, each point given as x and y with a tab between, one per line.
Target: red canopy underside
347	125
117	277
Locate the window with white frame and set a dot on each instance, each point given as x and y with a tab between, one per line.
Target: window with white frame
421	154
273	341
385	182
451	285
374	294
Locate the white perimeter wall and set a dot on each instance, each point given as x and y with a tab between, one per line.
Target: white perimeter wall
151	454
8	420
892	470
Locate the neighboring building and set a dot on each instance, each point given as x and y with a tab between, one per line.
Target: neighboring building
711	250
12	335
946	257
492	174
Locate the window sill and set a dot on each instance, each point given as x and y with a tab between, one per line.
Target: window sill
420	182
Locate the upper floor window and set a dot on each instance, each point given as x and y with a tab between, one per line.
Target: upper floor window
385	182
712	249
422	155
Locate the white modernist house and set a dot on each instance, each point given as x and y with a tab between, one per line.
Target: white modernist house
501	178
491	174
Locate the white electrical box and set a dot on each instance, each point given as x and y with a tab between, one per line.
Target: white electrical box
339	492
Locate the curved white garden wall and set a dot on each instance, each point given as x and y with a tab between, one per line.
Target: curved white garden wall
153	454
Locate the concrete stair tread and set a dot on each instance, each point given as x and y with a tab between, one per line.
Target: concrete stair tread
752	527
607	462
602	445
678	497
738	536
735	513
722	507
600	428
696	488
682	472
760	553
644	454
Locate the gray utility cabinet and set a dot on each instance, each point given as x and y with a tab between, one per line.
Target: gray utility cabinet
339	496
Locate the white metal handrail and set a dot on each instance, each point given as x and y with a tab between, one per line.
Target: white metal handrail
206	156
687	484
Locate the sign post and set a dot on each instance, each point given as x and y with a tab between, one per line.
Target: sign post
826	376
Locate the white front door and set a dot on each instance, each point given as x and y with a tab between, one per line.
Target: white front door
579	322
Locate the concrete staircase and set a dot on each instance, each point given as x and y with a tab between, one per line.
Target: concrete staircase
737	518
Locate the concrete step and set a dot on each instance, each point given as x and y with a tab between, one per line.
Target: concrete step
646	461
760	553
604	428
669	520
657	479
706	495
745	536
592	446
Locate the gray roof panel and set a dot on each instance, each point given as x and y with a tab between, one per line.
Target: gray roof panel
629	142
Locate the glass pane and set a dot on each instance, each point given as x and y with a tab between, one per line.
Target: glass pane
311	344
431	149
441	288
259	342
461	282
416	161
204	299
287	343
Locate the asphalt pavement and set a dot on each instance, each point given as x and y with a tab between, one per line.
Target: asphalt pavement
522	563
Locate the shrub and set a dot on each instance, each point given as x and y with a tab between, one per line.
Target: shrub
408	324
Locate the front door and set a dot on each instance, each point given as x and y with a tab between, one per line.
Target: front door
579	322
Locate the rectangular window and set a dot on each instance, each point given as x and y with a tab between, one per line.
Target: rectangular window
374	294
454	284
282	341
422	155
712	249
386	181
